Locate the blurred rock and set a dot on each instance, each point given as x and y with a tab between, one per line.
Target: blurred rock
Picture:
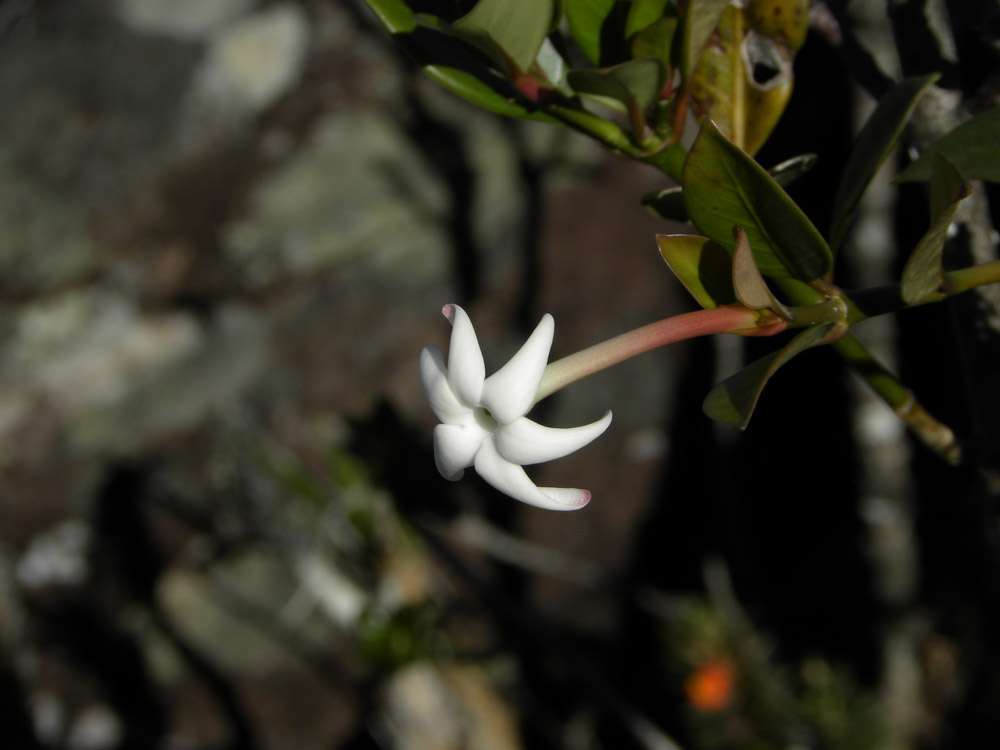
120	378
96	727
87	347
56	558
89	109
447	708
213	611
183	19
49	717
250	65
357	188
205	381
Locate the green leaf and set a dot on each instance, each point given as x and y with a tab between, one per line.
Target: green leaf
587	19
552	64
656	40
703	267
734	399
947	188
724	187
750	288
923	274
395	15
452	63
642	14
974	147
873	145
633	83
698	23
668	203
473	88
668	159
792	169
517	27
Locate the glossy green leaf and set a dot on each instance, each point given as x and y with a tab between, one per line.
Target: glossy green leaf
395	15
750	288
792	169
724	187
702	266
873	145
699	21
734	399
452	63
656	40
923	274
973	147
587	19
668	203
636	82
642	14
499	99
518	28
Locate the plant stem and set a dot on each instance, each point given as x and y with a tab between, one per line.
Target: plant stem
932	433
601	130
882	300
830	311
726	319
668	158
975	276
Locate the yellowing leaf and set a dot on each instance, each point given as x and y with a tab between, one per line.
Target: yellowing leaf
743	80
700	19
787	20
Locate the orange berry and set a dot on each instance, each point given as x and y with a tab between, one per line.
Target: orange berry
709	688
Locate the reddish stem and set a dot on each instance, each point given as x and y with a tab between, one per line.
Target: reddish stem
726	319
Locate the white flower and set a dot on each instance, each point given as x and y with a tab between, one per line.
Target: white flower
482	419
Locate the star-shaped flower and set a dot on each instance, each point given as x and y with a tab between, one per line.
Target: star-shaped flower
482	419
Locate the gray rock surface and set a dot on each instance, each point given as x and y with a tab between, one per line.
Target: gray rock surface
182	19
356	190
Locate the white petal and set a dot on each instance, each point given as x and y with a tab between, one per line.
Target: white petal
510	391
511	479
526	442
437	390
455	448
466	369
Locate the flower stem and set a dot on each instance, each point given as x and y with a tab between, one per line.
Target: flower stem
726	319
